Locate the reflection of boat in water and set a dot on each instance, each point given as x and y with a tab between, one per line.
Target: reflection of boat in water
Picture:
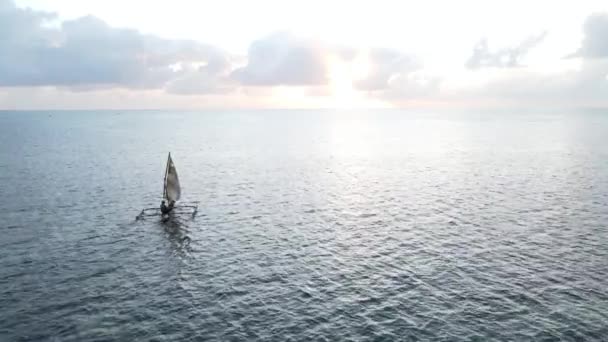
171	194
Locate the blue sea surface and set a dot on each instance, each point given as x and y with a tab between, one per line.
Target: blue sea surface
313	226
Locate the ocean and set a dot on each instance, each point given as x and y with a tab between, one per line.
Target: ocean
313	225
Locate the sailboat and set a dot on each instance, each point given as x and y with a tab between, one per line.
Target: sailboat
172	192
171	188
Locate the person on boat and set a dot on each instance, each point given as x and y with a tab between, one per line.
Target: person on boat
165	209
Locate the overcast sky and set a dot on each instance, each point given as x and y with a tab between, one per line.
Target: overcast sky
270	53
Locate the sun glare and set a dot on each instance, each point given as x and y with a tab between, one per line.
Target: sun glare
343	75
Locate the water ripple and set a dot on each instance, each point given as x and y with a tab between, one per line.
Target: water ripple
361	235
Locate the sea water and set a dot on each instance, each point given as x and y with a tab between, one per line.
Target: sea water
312	226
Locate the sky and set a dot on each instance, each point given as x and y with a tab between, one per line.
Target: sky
187	54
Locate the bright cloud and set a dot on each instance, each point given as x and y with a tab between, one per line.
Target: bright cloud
283	59
384	65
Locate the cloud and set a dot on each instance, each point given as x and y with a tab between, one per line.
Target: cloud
504	58
283	59
595	42
385	64
84	59
397	77
201	80
586	86
45	98
86	53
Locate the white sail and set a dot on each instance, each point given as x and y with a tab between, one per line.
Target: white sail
172	190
